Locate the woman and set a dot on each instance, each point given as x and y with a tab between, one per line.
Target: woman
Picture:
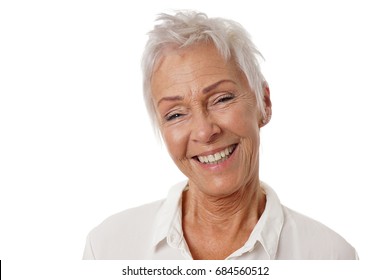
208	99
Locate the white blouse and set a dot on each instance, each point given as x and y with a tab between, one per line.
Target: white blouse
153	231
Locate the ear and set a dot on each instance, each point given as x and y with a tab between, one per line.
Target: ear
268	105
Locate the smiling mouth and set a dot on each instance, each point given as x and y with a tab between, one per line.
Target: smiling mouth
218	157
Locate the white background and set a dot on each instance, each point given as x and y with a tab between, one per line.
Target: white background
76	144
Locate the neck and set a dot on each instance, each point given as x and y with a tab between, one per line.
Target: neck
242	208
215	227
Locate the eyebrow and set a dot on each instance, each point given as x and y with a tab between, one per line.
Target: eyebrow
204	91
170	98
215	85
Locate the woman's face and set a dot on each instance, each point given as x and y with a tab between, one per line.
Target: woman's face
209	118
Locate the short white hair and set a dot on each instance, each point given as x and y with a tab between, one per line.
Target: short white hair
186	28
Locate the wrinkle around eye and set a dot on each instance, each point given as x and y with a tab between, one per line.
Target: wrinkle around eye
225	98
172	116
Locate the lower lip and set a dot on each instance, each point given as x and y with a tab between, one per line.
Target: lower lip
221	165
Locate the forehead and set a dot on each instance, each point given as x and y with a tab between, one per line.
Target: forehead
189	68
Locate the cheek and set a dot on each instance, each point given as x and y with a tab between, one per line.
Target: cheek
249	144
242	122
175	141
249	152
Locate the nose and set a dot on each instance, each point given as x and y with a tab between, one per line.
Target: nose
204	129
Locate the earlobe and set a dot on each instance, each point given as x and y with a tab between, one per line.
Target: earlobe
266	118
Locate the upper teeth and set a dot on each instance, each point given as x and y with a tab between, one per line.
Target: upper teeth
217	156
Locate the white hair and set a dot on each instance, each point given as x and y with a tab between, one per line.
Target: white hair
187	28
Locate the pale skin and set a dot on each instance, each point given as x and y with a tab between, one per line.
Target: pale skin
204	106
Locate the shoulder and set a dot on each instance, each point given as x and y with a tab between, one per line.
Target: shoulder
311	239
132	234
125	235
141	218
133	218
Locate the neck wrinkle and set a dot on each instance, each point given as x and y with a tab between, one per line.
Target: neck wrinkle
240	208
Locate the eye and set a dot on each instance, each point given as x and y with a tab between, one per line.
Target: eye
171	117
224	98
